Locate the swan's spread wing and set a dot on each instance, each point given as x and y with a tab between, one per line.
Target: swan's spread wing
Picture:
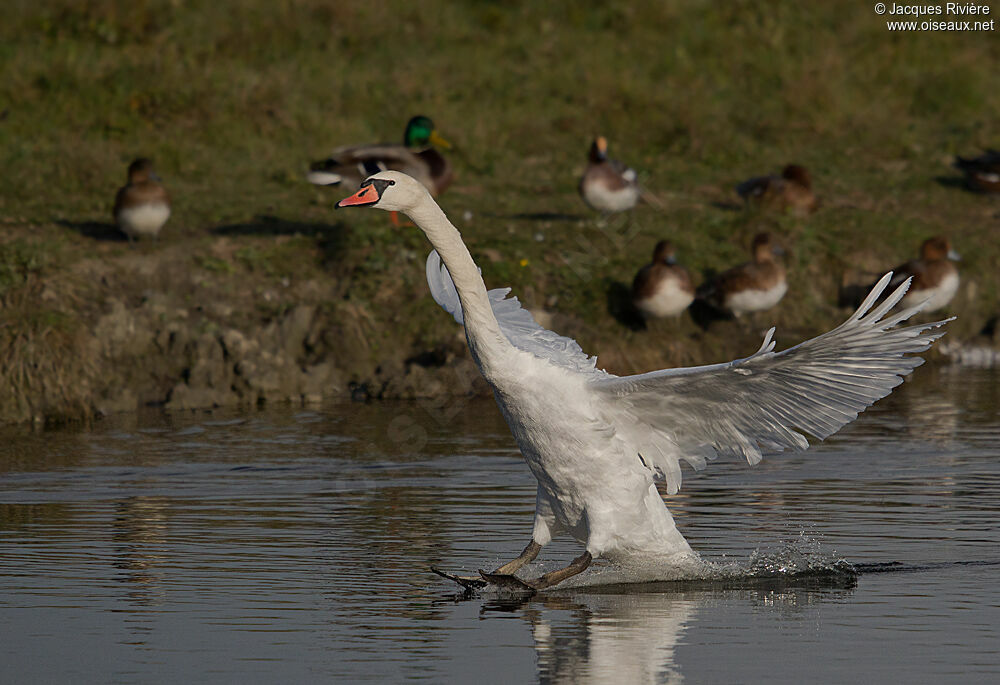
517	323
442	287
759	404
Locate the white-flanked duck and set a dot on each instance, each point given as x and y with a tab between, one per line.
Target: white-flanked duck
142	205
598	443
663	287
934	275
754	286
607	185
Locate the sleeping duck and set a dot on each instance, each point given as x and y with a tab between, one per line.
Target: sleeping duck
982	173
791	191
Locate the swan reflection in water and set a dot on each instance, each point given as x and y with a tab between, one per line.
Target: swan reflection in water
633	637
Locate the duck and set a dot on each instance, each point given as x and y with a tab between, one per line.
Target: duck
982	173
754	286
790	192
418	157
142	205
598	443
663	287
607	185
934	275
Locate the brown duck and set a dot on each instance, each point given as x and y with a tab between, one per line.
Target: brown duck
662	287
789	192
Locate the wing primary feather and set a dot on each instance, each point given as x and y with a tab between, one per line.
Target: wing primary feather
870	300
892	301
813	388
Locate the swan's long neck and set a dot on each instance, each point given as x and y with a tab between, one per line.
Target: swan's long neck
481	327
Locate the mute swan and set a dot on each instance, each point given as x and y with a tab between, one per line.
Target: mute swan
597	443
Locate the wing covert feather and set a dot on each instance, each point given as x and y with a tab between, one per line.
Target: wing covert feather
517	323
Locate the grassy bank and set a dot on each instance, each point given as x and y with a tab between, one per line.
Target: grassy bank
232	101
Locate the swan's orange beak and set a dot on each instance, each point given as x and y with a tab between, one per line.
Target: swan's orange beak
366	196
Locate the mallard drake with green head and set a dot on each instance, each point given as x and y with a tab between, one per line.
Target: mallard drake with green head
418	157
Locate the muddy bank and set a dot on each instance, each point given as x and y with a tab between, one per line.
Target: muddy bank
196	325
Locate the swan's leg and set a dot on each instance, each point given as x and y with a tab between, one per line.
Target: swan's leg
578	565
527	556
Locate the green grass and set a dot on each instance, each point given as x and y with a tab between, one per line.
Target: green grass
19	260
233	100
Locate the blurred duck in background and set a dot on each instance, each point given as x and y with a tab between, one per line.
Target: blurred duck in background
607	185
790	192
142	205
935	276
982	173
418	157
663	287
755	286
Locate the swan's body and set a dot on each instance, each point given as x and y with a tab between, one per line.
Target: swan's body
597	443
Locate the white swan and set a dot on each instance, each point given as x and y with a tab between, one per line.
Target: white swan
597	442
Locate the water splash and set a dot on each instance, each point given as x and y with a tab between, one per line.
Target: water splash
801	559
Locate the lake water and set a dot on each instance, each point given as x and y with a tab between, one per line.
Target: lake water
292	545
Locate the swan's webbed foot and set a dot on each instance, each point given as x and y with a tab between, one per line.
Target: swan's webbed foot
506	581
577	566
528	555
468	582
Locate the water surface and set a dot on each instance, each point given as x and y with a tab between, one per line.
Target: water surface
292	545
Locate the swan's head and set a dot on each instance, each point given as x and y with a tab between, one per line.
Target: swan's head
392	191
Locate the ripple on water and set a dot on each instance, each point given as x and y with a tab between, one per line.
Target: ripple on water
295	546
